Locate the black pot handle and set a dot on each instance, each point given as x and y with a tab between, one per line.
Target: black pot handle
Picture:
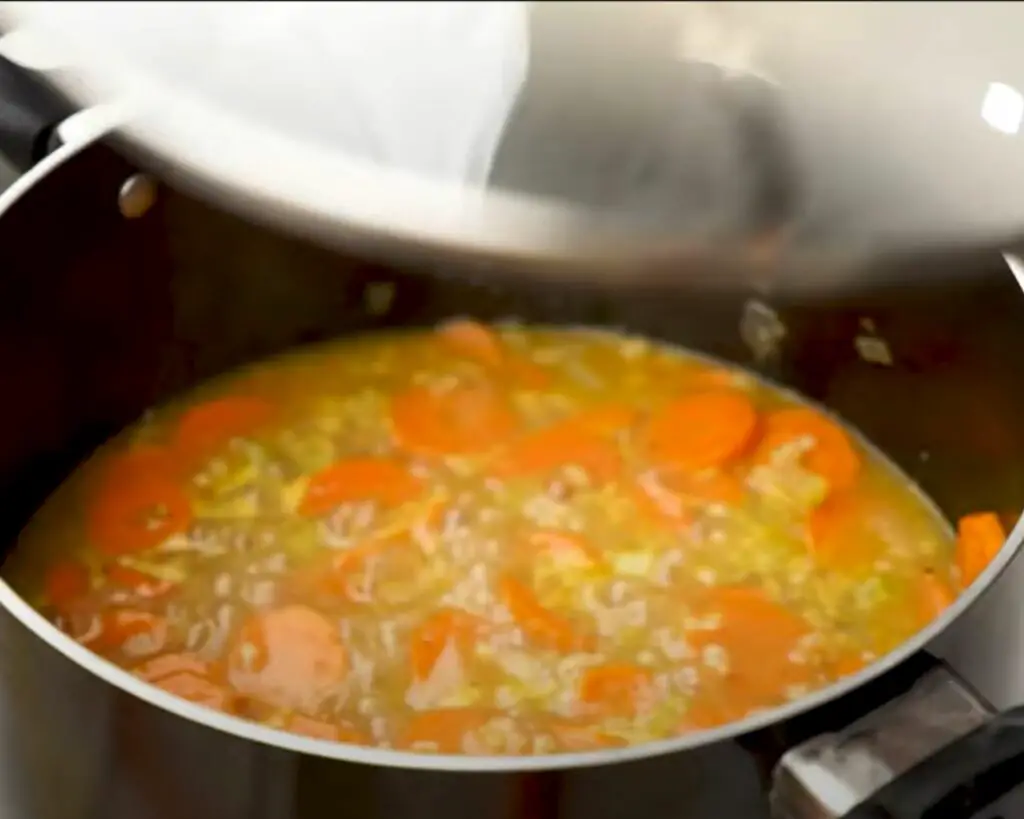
30	111
959	780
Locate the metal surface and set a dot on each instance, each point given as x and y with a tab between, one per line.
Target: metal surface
643	134
827	776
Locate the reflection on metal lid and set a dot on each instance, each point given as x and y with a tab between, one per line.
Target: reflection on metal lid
1003	108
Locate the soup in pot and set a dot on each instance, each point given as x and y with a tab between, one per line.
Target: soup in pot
492	540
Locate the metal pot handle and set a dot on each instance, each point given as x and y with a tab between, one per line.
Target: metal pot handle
30	114
36	119
960	779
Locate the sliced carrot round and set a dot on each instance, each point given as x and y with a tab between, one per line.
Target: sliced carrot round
290	657
459	421
478	342
143	632
830	453
570	547
576	735
708	375
198	690
563	444
187	677
353	575
605	419
65	582
472	340
441	629
443	731
713	706
524	373
133	515
359	479
167	664
847	664
341	731
702	431
706	487
660	506
980	536
934	596
752	655
142	584
620	688
842	532
206	428
541	626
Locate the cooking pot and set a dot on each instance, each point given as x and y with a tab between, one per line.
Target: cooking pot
119	291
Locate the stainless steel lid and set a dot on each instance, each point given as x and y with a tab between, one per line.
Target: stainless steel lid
583	132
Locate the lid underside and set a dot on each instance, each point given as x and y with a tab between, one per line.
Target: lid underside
610	134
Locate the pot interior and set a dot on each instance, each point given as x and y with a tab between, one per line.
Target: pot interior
102	316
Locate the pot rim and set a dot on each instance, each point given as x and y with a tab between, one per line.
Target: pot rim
244	729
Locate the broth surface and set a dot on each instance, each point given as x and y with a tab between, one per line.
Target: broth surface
490	541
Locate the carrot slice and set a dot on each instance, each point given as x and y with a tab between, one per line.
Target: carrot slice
168	664
752	650
707	487
346	575
197	690
342	731
478	342
672	499
934	596
563	444
847	664
206	428
184	676
473	340
830	455
443	730
980	536
841	532
142	631
66	582
543	627
134	516
605	419
142	584
710	376
433	635
702	431
347	565
462	420
526	374
660	506
290	657
566	546
581	736
709	710
616	689
359	479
